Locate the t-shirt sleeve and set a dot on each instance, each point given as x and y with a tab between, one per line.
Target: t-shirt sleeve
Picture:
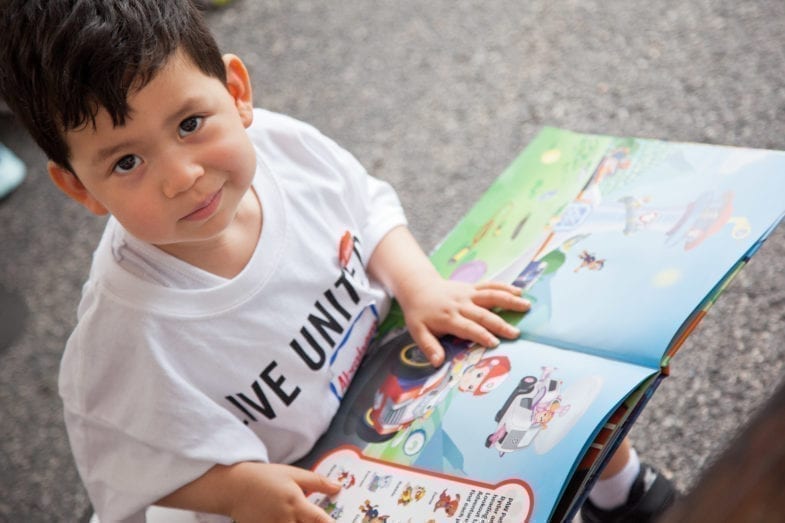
130	457
124	474
373	202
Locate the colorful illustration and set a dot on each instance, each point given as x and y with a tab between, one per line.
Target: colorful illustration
379	482
371	513
589	261
447	503
332	508
621	245
527	411
413	389
421	496
492	227
346	479
410	494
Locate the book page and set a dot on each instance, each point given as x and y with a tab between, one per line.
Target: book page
509	422
648	239
376	490
616	241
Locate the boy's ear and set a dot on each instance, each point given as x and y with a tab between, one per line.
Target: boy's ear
238	82
72	186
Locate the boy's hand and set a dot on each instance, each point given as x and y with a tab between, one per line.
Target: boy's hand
275	493
255	492
436	307
433	306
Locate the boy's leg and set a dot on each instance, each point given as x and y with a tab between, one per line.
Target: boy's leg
616	480
628	491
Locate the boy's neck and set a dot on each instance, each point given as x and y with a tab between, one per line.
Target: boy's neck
228	254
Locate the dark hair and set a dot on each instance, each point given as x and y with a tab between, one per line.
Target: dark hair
63	60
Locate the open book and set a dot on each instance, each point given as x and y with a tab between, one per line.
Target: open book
621	245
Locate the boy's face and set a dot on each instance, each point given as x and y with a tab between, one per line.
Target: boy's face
176	172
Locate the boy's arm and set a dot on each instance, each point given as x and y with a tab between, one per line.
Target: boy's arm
433	306
251	492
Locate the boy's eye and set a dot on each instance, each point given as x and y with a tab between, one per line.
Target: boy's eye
190	125
127	163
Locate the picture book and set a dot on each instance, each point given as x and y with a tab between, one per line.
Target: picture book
621	245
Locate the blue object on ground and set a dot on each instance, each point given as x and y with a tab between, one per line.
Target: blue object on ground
12	171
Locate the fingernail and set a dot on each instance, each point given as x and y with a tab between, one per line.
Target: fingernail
494	341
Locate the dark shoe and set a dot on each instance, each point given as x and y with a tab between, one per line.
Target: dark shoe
650	496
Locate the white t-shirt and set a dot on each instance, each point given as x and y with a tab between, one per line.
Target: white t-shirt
171	370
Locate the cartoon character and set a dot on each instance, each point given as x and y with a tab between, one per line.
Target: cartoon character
331	507
485	375
705	217
543	413
450	505
378	482
527	411
371	513
419	493
590	261
614	161
406	495
414	388
346	479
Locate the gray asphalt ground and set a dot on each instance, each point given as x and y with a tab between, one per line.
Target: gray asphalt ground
438	97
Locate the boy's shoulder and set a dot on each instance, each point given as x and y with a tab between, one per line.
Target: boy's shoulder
278	125
282	138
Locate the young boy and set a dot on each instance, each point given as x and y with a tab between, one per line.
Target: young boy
244	250
245	257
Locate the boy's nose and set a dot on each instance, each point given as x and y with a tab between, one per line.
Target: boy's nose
181	176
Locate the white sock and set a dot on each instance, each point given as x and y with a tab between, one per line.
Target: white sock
613	492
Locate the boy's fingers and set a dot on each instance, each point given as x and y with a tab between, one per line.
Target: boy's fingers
493	322
499	286
471	329
490	298
429	345
313	482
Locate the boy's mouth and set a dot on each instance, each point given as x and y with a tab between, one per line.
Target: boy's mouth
206	208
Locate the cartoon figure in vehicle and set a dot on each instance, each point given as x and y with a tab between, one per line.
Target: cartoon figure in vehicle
590	261
527	411
448	503
413	389
371	513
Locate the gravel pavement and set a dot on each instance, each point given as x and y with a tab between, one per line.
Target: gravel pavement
437	97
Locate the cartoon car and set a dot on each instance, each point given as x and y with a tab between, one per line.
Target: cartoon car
520	419
410	391
413	388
